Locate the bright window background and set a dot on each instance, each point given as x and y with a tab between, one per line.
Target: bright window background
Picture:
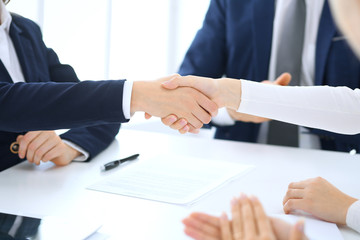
111	39
117	39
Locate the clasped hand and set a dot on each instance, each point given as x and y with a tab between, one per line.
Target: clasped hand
223	92
44	146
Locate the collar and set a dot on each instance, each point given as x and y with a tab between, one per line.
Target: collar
5	17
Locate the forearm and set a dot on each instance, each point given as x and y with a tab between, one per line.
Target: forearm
335	109
49	106
230	89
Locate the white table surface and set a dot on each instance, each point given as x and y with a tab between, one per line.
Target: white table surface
47	190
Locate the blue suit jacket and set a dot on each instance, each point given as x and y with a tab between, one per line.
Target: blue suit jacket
235	41
40	105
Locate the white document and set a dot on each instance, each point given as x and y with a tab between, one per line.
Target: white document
171	179
315	229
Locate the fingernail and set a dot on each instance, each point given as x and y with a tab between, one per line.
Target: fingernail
242	196
183	121
233	201
224	216
300	225
173	119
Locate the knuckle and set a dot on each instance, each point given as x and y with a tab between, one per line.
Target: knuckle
290	204
199	125
47	157
32	147
39	153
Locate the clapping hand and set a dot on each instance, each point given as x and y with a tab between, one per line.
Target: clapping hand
249	221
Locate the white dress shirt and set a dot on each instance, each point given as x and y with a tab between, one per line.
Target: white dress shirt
335	109
313	14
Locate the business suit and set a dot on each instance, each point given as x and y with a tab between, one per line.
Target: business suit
40	105
236	41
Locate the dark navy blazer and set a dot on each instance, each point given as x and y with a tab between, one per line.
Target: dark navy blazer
42	105
235	41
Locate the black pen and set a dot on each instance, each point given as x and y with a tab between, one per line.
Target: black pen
114	164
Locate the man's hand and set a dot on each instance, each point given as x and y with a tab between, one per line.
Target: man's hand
249	221
184	102
318	197
45	146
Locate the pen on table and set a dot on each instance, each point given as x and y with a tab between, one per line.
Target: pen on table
14	147
114	164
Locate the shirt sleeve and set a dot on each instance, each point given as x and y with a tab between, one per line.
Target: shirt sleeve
128	85
335	109
353	216
223	118
84	155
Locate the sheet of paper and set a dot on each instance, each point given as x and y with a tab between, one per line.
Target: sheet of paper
315	229
171	179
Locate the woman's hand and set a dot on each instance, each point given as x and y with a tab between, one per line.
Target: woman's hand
249	221
318	197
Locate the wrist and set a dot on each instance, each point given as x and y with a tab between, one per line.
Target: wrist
73	153
349	202
230	91
137	97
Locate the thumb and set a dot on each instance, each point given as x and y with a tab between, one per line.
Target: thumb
283	80
173	83
297	231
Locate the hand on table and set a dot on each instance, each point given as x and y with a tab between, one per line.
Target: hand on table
45	146
318	197
249	221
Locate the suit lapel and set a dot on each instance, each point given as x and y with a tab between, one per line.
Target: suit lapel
24	52
326	33
263	18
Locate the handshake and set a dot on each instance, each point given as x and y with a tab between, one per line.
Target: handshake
185	103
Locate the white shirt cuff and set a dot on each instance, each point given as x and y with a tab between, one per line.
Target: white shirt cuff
128	85
353	216
84	154
223	118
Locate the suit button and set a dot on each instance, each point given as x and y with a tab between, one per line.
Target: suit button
14	147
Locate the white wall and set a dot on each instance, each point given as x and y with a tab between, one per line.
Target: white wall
134	39
117	39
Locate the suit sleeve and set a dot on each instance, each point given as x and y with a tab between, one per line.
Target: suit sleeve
207	53
92	139
48	106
